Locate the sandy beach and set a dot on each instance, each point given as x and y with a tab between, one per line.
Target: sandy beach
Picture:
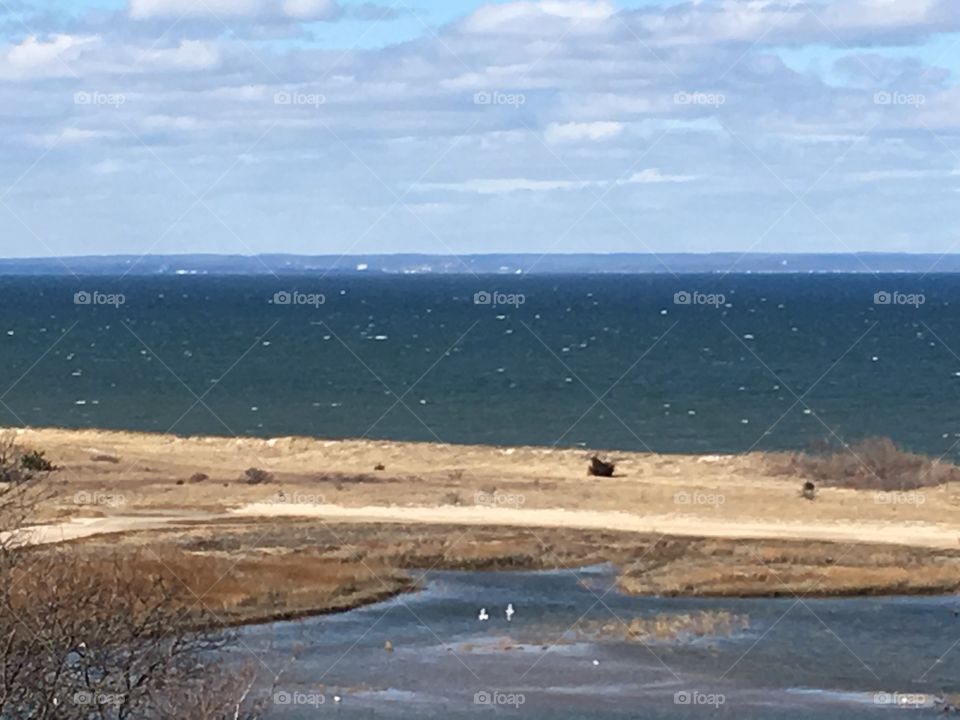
712	525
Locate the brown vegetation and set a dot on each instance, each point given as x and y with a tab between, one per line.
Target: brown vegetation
256	476
714	568
667	627
872	464
103	639
651	564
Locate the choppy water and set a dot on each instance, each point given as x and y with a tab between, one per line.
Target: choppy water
823	659
215	355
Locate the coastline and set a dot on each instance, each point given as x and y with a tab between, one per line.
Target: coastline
678	525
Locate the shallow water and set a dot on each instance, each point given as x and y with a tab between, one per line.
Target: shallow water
799	658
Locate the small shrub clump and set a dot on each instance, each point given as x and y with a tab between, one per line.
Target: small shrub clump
872	464
256	476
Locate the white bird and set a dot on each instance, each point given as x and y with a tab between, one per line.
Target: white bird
337	698
482	617
510	612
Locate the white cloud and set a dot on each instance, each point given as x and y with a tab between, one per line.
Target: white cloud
290	9
524	17
653	176
576	132
892	174
69	136
503	186
310	9
188	55
578	9
202	99
35	58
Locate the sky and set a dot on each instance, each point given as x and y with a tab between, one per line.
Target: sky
470	126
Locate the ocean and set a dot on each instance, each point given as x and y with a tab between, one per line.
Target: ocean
695	364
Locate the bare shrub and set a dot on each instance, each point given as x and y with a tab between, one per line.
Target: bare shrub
256	476
82	639
872	464
21	473
106	642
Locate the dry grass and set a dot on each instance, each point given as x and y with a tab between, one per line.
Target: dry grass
712	568
248	586
872	464
326	556
668	627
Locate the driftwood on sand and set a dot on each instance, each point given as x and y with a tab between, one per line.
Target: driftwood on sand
600	468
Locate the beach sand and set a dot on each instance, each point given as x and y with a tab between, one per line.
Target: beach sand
715	525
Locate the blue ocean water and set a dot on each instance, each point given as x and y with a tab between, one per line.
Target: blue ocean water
597	360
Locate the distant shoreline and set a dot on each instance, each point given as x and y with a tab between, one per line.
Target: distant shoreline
502	264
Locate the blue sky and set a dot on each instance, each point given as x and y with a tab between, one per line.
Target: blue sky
364	126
